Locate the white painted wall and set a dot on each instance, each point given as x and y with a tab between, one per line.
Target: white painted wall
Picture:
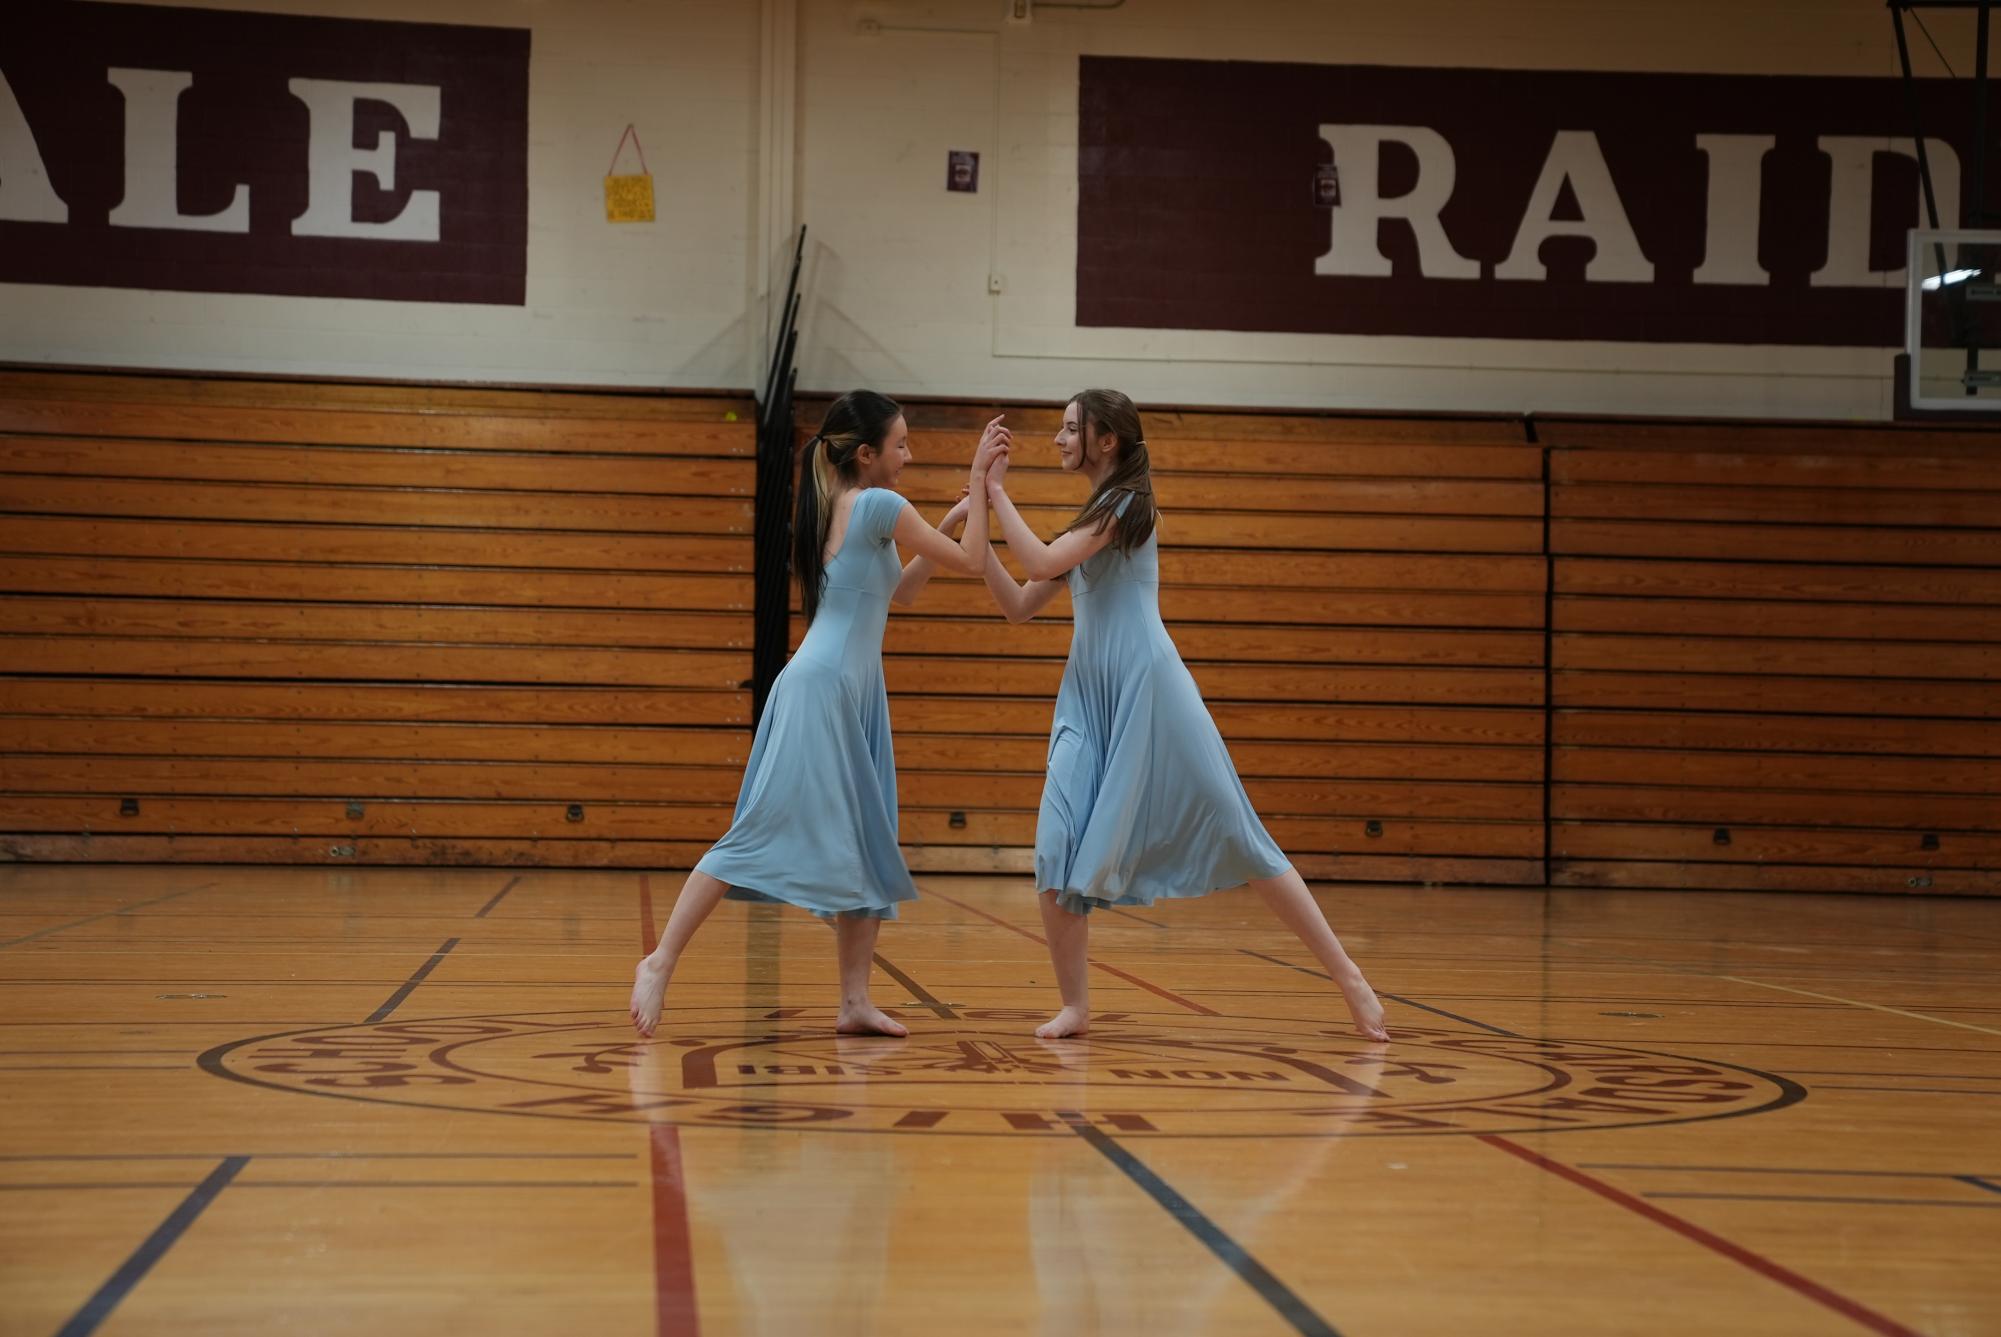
864	100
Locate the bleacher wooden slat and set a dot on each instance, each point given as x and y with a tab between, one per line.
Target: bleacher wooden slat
475	468
82	574
374	545
509	628
437	703
35	494
227	595
467	430
1784	675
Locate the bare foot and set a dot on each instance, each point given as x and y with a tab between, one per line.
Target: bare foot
1070	1021
649	988
1364	1007
868	1019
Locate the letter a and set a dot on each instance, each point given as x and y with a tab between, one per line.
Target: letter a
25	193
1576	158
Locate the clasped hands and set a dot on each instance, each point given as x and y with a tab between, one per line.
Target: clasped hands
990	463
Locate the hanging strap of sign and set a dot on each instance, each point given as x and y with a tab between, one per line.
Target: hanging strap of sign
628	199
632	134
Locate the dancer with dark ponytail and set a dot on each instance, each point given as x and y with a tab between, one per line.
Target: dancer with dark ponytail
815	822
1141	802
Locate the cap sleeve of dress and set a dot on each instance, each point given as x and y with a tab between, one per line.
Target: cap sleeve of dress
885	509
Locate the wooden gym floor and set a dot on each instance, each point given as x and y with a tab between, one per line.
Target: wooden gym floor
406	1101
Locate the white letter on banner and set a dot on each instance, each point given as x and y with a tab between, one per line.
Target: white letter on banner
332	160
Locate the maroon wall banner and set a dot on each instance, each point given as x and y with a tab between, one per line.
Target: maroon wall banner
216	151
1520	204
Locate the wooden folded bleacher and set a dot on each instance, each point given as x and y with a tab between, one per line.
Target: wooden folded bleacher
259	621
331	623
1777	656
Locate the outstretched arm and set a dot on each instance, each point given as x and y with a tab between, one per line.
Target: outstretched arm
1042	561
1018	602
917	571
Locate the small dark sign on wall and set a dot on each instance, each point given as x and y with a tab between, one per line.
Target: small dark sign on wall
962	170
203	150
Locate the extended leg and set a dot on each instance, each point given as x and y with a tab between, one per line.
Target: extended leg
1295	907
700	894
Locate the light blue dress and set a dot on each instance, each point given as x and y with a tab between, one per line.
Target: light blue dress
1142	801
815	822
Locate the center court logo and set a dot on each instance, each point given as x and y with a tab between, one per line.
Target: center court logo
981	1074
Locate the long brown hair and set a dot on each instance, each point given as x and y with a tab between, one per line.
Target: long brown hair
827	464
1102	413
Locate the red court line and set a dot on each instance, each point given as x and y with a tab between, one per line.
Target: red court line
1127	976
647	942
1736	1253
673	1256
675	1314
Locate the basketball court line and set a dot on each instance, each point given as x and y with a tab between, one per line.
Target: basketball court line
1395	998
1849	1309
99	1306
1191	1005
1277	1294
318	1184
1283	1300
1910	1090
404	990
108	914
1773	1170
675	1311
1678	969
1853	1002
93	1067
1808	1197
1137	919
487	909
917	990
1756	1262
328	1156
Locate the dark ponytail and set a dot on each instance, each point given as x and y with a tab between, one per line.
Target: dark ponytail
1103	413
827	465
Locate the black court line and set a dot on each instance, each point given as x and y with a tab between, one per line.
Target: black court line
1234	1256
317	1184
1394	998
108	914
1901	1090
105	1053
1771	1170
98	1308
1931	1076
92	1067
1978	1181
483	910
416	978
1805	1197
336	1156
917	990
1126	914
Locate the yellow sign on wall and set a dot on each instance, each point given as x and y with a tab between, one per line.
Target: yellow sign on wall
629	199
